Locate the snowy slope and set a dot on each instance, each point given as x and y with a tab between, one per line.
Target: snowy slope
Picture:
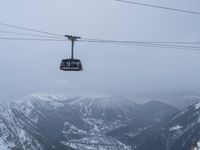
179	131
52	122
197	146
19	128
15	129
45	122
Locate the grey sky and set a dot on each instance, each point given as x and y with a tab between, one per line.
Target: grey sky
33	67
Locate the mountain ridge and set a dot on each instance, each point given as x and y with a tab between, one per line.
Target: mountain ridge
178	131
52	122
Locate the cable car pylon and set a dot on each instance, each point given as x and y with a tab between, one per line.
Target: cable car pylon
71	64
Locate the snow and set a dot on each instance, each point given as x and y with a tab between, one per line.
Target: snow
198	146
181	113
115	103
96	142
89	139
198	120
56	104
47	97
3	146
176	127
197	106
68	128
95	138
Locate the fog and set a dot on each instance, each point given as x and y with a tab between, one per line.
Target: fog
28	67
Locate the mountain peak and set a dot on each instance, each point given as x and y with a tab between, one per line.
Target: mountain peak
116	103
159	104
157	110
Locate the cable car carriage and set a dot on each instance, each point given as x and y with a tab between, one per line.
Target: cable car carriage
71	64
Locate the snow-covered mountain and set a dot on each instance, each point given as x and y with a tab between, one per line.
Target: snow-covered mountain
196	146
178	131
21	126
49	122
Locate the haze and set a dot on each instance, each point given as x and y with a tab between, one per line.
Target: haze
28	67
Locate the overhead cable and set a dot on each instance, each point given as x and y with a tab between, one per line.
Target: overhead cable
159	7
30	29
27	34
54	37
29	39
185	47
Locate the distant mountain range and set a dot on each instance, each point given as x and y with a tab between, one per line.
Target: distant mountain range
175	132
49	122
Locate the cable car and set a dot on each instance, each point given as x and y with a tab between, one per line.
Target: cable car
71	64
